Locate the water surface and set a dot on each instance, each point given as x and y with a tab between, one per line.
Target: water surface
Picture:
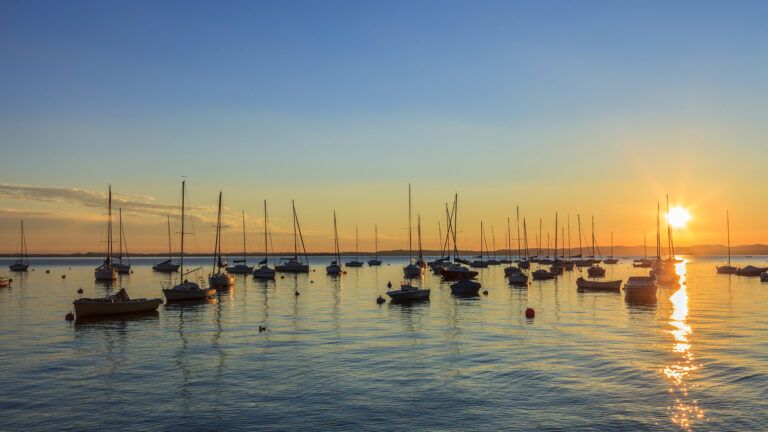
332	358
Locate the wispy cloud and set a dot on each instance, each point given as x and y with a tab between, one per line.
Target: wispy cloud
97	199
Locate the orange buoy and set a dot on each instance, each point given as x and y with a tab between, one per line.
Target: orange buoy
530	313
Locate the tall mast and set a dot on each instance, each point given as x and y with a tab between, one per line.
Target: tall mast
669	233
120	234
23	252
541	239
611	244
562	234
482	236
519	254
555	236
509	241
266	233
578	218
376	241
493	242
727	226
244	253
658	231
410	234
109	229
525	232
170	253
295	235
569	237
418	229
183	203
593	236
336	239
217	245
645	246
297	227
455	225
357	251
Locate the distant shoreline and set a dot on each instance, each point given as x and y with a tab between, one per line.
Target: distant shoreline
618	251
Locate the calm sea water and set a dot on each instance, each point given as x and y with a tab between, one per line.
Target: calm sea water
332	359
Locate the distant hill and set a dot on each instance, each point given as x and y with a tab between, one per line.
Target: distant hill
716	249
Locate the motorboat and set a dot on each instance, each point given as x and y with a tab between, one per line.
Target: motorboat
542	274
611	286
117	304
465	288
457	271
640	289
596	271
408	293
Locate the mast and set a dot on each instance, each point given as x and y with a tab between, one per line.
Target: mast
562	234
454	224
410	234
376	241
244	253
525	233
120	234
645	246
593	236
493	242
727	226
519	254
611	244
357	251
336	239
418	229
541	239
23	253
170	254
658	231
669	234
109	229
555	236
181	254
482	236
300	238
578	218
217	246
569	238
295	235
509	242
266	233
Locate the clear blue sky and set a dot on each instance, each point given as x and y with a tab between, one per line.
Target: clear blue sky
317	95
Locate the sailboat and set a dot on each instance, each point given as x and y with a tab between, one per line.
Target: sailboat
356	262
292	264
407	291
375	261
264	271
557	266
663	270
644	262
455	270
420	261
21	264
168	265
334	269
494	260
524	264
411	270
241	267
568	263
514	274
218	279
611	259
106	272
581	262
122	266
480	262
186	290
595	270
728	268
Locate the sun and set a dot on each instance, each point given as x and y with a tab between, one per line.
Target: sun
678	217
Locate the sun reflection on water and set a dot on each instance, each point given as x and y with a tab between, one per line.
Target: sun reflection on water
683	411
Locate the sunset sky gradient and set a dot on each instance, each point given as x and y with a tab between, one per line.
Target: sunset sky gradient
597	108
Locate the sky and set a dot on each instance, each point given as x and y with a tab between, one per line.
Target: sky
591	107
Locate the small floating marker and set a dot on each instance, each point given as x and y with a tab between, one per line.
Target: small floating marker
380	300
314	269
345	272
47	271
530	313
63	276
79	290
311	281
70	316
485	292
282	276
389	284
262	329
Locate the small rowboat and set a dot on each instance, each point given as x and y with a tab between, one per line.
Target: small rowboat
118	304
465	288
610	286
408	293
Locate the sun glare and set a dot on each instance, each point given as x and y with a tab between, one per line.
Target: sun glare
678	217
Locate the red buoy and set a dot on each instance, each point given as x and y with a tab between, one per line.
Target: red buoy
530	313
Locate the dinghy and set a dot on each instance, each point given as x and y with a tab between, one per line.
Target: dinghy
408	293
465	288
264	272
611	286
117	304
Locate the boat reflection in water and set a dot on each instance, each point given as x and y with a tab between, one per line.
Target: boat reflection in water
684	410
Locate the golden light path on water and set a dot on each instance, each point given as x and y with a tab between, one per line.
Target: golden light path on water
683	411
